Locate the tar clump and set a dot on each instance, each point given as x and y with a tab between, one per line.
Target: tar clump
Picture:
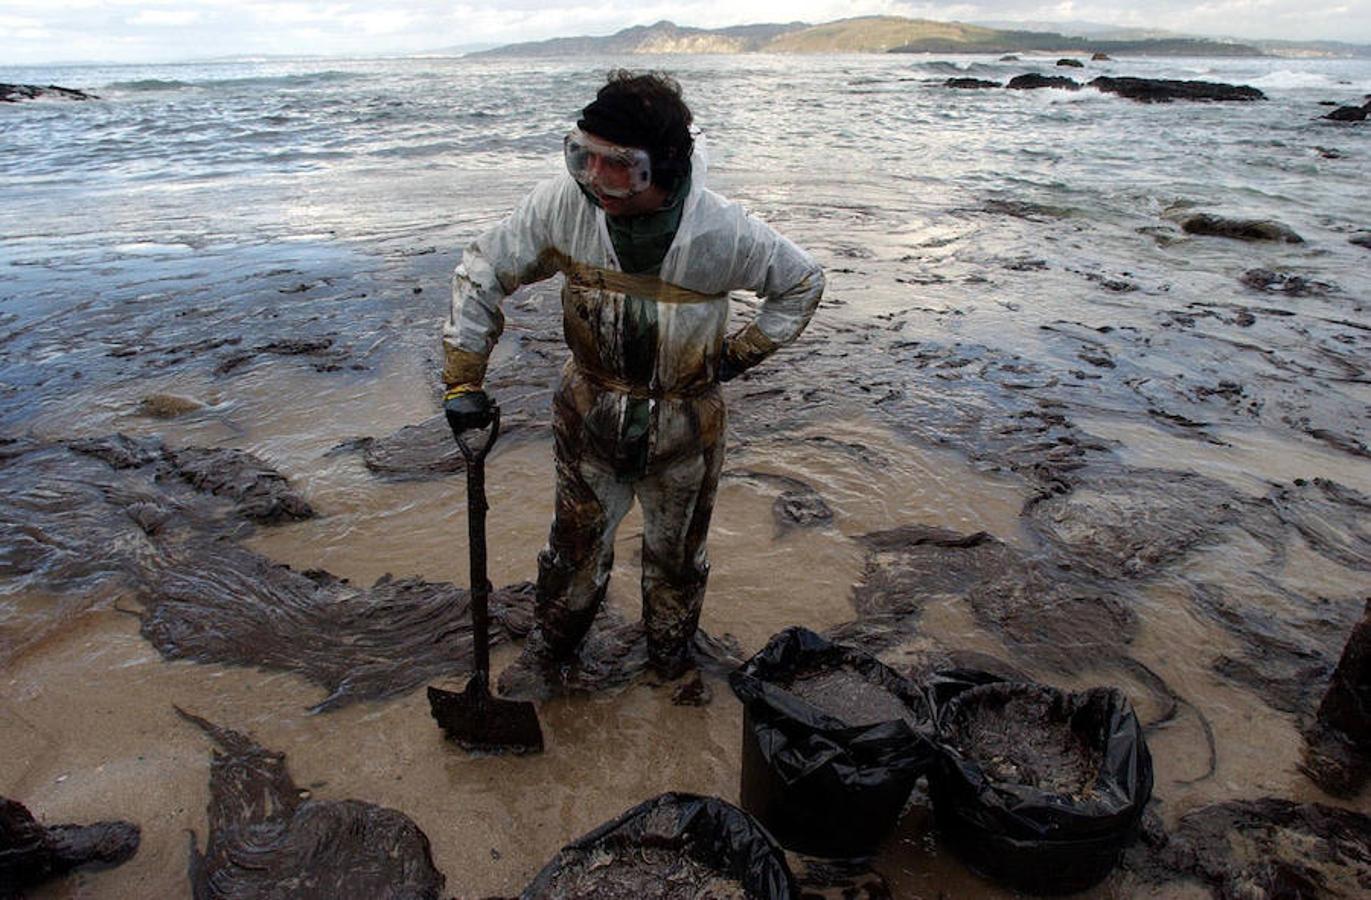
1039	788
673	847
849	696
1029	737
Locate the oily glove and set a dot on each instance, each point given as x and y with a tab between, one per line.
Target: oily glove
742	351
466	407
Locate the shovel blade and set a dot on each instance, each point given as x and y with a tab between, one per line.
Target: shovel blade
481	723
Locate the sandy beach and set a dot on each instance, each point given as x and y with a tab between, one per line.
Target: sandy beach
1166	448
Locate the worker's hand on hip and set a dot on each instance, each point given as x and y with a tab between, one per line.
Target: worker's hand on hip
466	407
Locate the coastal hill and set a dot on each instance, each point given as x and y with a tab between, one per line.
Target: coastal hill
663	37
865	34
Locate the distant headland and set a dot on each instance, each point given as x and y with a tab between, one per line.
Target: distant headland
895	34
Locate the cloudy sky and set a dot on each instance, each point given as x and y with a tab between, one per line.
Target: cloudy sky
158	30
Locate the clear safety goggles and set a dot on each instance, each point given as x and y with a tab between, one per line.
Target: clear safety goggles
605	168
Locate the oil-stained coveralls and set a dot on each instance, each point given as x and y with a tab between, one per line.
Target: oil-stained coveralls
638	411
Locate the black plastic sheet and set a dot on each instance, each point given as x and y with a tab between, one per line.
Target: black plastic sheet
710	830
1034	840
821	786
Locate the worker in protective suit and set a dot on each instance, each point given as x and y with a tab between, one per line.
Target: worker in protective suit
649	256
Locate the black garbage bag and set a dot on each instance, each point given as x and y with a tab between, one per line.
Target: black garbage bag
672	846
833	742
1039	788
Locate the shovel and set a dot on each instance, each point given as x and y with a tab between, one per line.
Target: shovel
473	718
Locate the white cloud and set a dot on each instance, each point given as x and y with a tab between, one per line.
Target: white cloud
379	22
158	18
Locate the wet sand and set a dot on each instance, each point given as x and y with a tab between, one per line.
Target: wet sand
89	707
1181	511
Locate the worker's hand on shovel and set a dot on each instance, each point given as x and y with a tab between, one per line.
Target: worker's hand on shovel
467	407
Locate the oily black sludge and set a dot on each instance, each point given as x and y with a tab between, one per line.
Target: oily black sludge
1040	788
673	847
1268	847
832	743
268	838
31	852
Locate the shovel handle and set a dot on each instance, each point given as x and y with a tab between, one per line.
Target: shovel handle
478	453
476	542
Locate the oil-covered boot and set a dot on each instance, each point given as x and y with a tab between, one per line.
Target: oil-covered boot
669	663
550	649
536	675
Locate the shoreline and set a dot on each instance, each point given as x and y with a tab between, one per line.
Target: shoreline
1167	455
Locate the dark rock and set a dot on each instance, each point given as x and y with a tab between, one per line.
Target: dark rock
31	852
970	83
1032	81
298	346
1242	229
1283	283
1100	57
1361	239
797	505
425	450
167	406
266	839
1009	57
233	362
12	93
1162	90
1348	114
803	508
1268	848
120	451
1338	749
331	358
1072	63
260	492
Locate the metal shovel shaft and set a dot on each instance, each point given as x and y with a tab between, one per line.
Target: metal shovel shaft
480	583
474	718
476	543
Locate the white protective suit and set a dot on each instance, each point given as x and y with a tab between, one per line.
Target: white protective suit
672	370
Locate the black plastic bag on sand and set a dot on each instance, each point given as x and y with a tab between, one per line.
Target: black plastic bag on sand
1039	788
829	775
672	847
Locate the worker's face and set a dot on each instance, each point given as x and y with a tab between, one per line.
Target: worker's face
620	177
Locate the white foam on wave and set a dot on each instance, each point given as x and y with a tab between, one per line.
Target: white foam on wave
1287	79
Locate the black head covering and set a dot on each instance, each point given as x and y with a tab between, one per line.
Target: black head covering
625	117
